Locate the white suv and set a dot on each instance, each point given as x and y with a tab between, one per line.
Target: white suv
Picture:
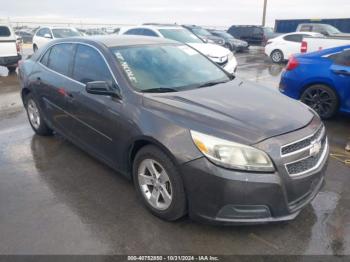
217	54
46	34
9	47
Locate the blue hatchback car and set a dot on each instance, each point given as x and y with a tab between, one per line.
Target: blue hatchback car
321	80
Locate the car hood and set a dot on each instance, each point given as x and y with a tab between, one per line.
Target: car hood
210	49
241	111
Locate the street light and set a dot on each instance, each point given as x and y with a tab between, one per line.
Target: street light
264	13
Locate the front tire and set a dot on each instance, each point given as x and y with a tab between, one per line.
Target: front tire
277	56
322	99
35	48
159	184
35	117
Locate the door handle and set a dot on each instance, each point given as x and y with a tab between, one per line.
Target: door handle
342	72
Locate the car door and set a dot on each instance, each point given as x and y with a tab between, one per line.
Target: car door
51	80
97	117
340	71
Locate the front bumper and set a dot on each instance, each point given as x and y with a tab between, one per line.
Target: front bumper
242	48
222	196
10	60
230	66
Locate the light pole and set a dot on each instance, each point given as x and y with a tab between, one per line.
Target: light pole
264	13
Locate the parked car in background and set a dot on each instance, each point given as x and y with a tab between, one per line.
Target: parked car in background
321	80
46	34
280	48
10	49
218	54
312	44
231	43
285	26
254	35
25	36
95	31
324	29
191	137
205	35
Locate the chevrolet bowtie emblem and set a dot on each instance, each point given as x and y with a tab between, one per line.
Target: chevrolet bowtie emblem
315	148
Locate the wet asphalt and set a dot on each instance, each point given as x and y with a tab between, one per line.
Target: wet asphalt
56	199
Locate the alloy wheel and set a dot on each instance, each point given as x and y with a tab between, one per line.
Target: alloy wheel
277	56
33	113
319	100
155	184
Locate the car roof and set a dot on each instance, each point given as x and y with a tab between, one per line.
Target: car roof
120	40
312	24
302	32
156	26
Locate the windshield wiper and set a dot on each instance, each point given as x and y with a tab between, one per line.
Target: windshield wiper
160	90
213	83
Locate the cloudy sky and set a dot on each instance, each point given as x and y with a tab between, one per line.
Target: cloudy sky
203	12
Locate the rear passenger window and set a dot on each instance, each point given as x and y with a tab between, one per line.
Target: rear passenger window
148	32
135	31
90	66
294	38
60	58
4	31
342	58
44	60
306	28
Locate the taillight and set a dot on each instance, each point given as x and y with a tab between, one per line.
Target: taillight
292	64
303	48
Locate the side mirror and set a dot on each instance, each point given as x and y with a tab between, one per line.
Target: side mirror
101	88
48	36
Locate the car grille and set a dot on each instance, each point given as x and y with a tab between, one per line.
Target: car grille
223	64
307	159
301	144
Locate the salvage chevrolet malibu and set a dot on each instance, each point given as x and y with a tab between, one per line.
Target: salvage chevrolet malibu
193	138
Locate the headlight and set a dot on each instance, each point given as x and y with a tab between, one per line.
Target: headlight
232	155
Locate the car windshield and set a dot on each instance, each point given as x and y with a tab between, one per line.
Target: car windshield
64	32
200	31
224	34
332	29
181	35
167	68
268	30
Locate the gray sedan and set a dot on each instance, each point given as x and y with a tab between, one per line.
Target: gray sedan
193	139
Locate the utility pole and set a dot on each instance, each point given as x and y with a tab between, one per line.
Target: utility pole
264	13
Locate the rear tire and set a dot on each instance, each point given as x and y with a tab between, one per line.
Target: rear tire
277	56
35	117
322	99
11	69
159	184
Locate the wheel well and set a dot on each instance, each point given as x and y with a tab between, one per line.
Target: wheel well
317	83
274	50
138	145
323	84
135	148
24	93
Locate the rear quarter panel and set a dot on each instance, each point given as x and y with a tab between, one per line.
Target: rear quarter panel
309	72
